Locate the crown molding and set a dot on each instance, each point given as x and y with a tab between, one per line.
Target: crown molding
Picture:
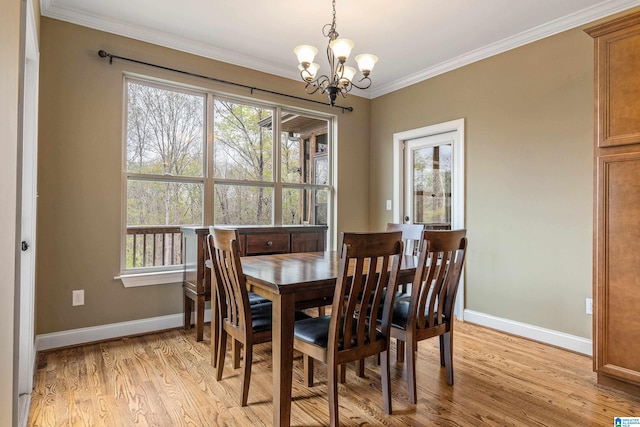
52	10
606	8
548	29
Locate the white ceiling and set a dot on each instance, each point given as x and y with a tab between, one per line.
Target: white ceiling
414	39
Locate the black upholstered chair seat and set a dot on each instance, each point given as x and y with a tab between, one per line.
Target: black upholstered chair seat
261	316
401	313
315	330
256	299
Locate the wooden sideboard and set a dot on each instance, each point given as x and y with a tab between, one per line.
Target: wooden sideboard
254	240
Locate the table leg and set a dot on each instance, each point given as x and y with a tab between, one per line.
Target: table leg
188	308
282	350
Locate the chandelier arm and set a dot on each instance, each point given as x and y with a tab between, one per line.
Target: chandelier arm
318	81
314	89
366	85
318	84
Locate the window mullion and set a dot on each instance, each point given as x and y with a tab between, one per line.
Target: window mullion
208	202
277	175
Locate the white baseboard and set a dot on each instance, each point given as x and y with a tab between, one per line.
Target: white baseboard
547	336
114	330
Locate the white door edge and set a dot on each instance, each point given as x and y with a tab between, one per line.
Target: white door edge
26	347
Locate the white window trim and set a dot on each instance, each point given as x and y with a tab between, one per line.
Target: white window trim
151	278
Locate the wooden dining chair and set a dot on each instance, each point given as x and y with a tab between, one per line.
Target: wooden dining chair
411	236
412	239
428	312
247	324
347	335
256	301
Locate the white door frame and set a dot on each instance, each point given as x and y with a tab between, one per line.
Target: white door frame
457	181
26	348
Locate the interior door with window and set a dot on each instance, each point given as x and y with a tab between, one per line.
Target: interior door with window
428	181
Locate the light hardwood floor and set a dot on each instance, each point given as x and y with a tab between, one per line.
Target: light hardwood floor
166	379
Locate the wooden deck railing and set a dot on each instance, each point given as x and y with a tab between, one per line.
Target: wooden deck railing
154	245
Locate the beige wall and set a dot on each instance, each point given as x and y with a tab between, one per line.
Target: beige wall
529	134
529	126
10	18
79	171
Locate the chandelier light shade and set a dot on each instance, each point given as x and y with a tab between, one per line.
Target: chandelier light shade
340	79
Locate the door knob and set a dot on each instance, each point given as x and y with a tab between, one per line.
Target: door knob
24	246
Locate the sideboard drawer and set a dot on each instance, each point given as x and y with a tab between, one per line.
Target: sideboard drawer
267	243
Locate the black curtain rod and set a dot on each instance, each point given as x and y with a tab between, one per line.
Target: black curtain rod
104	54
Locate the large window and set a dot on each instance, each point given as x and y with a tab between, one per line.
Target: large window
239	164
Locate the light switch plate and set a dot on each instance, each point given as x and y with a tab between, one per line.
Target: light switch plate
77	297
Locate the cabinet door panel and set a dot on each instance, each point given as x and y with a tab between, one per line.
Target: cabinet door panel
619	88
307	242
618	266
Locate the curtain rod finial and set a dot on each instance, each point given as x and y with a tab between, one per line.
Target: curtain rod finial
104	54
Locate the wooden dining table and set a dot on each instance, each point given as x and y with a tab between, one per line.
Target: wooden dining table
291	281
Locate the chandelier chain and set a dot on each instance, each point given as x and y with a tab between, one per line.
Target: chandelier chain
340	78
329	30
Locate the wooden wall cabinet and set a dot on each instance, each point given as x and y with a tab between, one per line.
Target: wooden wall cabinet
253	241
616	287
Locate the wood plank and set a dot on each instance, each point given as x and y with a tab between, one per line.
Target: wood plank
165	379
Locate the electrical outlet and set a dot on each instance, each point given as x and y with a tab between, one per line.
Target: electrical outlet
589	306
388	205
77	297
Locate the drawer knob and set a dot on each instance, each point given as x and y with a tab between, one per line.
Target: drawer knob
269	243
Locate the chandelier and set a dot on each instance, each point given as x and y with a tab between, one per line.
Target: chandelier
340	79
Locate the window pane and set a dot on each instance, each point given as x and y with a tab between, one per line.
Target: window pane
243	205
243	142
163	203
320	207
165	131
432	185
292	206
303	139
304	206
155	211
